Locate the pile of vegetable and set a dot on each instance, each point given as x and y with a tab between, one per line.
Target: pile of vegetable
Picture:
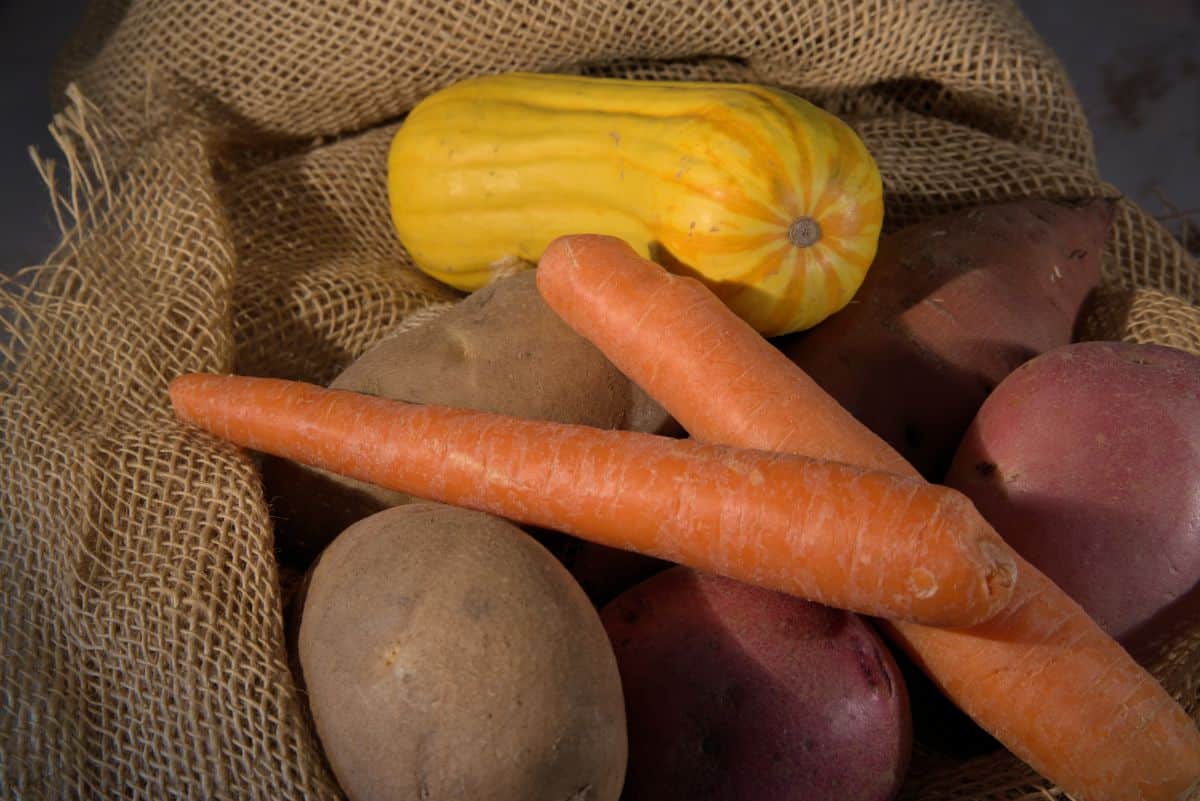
614	527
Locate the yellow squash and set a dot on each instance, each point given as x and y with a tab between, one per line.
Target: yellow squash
772	202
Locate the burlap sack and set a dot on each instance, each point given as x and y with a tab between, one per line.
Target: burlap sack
223	208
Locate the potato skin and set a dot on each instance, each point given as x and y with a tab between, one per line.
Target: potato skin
448	656
734	692
1087	460
949	307
504	350
500	350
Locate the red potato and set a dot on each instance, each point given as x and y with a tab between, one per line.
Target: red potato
732	692
948	309
1087	461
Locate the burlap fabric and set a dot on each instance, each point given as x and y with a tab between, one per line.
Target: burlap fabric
223	208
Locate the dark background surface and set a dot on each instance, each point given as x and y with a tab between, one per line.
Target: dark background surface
1135	64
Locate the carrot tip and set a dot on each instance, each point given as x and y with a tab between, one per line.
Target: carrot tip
923	583
178	387
565	244
1001	575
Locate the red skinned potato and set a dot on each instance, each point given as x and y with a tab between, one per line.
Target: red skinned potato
1087	461
733	692
948	309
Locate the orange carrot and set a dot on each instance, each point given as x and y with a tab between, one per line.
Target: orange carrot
1042	677
742	513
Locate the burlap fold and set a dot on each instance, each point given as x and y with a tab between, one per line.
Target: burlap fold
224	208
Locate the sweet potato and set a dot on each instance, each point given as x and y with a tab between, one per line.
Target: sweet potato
950	307
1087	461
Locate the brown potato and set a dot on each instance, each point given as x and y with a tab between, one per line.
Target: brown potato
448	656
500	350
948	308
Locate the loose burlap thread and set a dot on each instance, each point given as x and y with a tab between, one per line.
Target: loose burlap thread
224	208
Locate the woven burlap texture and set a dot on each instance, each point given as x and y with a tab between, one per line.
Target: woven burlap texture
224	208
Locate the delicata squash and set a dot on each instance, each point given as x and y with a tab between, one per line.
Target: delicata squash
773	203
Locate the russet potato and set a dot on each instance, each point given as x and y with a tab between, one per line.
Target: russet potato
448	656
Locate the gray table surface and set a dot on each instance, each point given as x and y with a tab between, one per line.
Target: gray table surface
1135	64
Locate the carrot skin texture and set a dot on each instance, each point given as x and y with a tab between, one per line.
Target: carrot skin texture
1041	676
674	337
1117	735
810	528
